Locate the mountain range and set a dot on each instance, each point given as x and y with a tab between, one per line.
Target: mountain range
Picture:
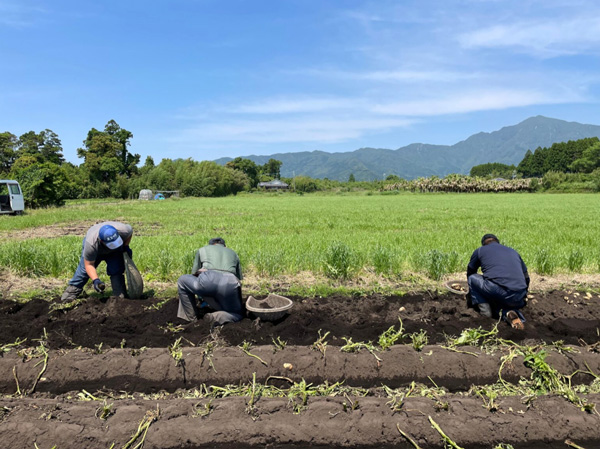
507	145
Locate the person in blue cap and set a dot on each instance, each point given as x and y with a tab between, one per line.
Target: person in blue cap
503	283
216	282
104	241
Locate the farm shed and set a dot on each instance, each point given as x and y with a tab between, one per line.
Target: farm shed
145	194
275	184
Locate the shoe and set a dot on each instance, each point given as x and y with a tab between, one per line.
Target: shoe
484	309
513	319
71	293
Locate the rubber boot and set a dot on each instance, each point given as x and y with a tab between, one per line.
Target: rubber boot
71	293
118	286
485	309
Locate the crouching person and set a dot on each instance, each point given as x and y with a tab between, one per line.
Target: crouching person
503	284
107	242
215	282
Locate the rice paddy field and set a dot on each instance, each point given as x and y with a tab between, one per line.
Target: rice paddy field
342	236
408	366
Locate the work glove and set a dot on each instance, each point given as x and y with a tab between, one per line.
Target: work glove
127	249
99	286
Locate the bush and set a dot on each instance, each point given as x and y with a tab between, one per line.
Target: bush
438	263
383	260
42	183
575	260
534	184
339	261
553	179
545	262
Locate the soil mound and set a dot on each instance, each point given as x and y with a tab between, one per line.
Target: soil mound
138	323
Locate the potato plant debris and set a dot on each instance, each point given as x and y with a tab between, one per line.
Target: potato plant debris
366	372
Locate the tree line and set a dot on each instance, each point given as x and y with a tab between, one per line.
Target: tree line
574	156
109	169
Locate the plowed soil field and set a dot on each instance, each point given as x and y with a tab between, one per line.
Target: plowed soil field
121	373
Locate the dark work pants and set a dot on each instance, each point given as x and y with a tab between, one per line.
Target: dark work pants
220	290
485	291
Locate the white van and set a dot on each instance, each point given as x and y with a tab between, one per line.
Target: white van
11	197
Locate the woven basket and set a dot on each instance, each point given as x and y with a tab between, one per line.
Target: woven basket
451	285
272	308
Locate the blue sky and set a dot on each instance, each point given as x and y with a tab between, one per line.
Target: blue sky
212	78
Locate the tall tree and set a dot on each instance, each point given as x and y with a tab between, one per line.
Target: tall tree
122	136
105	153
272	168
51	147
8	154
245	166
149	162
44	146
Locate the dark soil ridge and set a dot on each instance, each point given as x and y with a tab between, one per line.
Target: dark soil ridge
114	322
325	422
155	370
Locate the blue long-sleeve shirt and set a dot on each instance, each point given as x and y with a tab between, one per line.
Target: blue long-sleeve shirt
501	265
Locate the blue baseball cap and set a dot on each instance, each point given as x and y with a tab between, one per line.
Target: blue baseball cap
110	237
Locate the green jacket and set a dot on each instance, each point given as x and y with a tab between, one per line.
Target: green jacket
217	257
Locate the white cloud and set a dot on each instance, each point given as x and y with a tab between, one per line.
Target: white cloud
291	105
471	101
400	75
286	131
19	14
334	120
397	75
545	38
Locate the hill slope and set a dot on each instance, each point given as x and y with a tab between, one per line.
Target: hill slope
507	145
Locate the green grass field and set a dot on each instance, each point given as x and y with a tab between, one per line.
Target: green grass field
340	235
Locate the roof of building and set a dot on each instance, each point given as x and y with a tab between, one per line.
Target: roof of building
273	183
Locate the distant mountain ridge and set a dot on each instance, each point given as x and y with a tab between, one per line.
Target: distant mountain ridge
507	145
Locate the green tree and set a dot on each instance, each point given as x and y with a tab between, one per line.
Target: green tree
493	170
305	184
589	160
271	168
105	154
524	166
246	166
45	146
191	178
122	137
557	158
8	154
43	183
75	185
351	178
149	163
